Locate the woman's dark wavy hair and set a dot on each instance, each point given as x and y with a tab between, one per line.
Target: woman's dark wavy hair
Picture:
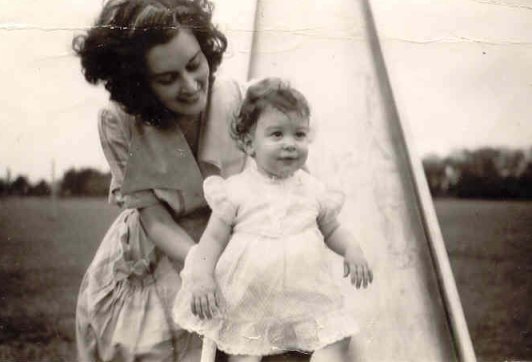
113	52
269	92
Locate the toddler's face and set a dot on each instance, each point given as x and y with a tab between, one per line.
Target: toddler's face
279	143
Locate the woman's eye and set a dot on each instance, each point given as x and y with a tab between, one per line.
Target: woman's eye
193	66
166	79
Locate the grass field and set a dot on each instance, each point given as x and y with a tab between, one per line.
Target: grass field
490	249
42	260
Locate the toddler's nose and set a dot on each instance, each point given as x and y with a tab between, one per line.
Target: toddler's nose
289	146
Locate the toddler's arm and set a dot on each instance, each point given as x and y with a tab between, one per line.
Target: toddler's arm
342	242
205	298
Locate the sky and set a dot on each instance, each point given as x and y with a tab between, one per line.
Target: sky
460	72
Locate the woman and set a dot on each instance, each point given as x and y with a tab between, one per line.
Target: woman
165	130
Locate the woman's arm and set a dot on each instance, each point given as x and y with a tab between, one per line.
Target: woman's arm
165	233
115	137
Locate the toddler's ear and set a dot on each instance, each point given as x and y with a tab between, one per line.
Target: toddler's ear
247	142
312	132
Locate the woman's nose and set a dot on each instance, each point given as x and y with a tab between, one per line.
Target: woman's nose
188	84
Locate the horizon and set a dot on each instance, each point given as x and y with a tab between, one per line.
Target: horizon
104	169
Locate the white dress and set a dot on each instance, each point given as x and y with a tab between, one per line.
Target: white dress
275	274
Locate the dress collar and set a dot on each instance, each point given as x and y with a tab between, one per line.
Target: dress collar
272	180
161	158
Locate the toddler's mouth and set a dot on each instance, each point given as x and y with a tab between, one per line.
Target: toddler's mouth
288	159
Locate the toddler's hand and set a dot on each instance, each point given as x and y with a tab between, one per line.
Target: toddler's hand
205	301
356	264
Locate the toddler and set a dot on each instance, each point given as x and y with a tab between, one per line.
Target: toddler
260	282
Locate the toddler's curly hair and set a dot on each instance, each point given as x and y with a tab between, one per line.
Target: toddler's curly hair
269	92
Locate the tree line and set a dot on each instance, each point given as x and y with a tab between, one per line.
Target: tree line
83	182
489	173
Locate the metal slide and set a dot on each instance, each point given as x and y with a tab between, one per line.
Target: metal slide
329	49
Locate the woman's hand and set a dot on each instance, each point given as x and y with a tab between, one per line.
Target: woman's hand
356	264
205	301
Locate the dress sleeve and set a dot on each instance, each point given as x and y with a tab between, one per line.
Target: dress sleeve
218	197
216	146
115	137
330	204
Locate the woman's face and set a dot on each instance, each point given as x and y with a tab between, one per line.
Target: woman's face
178	74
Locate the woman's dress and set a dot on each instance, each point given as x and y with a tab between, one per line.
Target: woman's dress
128	290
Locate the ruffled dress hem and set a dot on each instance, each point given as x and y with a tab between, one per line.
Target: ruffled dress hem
244	339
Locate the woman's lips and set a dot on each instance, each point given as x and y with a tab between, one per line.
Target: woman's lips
192	98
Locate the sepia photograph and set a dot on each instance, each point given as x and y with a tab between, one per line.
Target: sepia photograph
266	180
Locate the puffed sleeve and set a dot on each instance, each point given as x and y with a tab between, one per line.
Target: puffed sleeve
218	197
330	204
115	138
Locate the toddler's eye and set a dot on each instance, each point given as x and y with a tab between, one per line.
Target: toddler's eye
301	135
277	134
